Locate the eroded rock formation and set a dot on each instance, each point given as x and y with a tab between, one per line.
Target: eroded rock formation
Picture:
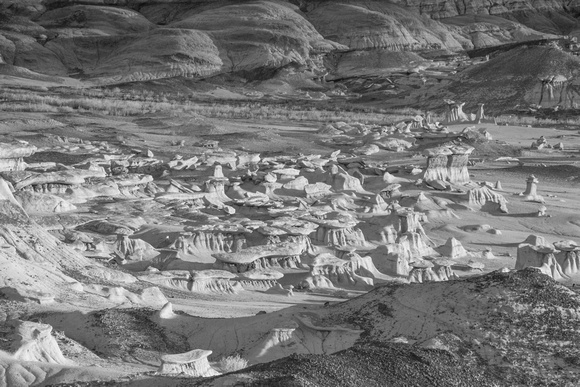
193	363
481	196
284	254
11	156
448	164
559	260
34	342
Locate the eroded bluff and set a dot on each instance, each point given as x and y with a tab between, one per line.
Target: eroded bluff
107	42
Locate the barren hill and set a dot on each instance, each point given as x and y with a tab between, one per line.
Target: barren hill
501	318
483	331
123	41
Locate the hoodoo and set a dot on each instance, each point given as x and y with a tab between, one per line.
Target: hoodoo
448	164
193	363
541	257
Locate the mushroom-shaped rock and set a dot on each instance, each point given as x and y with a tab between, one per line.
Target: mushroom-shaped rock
425	271
448	163
531	193
442	268
337	229
457	164
541	257
566	245
568	256
193	363
437	163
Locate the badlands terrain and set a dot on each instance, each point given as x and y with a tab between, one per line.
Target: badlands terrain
289	193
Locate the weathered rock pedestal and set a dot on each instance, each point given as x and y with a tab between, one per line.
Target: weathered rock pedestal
568	257
531	193
457	164
436	271
193	363
541	257
448	164
437	160
337	229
